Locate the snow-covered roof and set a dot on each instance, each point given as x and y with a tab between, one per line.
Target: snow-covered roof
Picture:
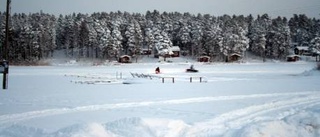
146	49
302	48
175	48
125	56
292	55
235	54
204	57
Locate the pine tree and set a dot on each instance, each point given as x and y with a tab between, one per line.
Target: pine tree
315	45
103	38
134	38
83	39
259	30
196	38
300	26
235	36
278	42
68	35
185	38
109	35
116	41
60	37
149	37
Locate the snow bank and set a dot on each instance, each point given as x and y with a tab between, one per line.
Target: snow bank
94	130
128	127
137	127
306	124
303	124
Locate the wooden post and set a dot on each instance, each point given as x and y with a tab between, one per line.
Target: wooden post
117	75
5	63
169	78
200	78
5	47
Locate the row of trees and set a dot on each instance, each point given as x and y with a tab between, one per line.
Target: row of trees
109	35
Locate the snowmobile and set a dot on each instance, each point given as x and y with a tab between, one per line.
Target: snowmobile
191	69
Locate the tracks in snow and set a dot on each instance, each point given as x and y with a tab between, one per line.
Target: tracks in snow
228	120
241	117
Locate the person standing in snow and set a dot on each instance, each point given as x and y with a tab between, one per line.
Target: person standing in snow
191	67
157	70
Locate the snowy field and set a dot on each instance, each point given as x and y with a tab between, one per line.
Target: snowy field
249	99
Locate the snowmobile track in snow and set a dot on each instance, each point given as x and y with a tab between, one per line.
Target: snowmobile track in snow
241	117
230	119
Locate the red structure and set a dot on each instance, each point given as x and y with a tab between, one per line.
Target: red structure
204	59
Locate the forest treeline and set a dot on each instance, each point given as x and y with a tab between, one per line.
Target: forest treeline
109	35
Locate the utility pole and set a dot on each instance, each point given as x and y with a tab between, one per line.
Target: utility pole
6	45
5	63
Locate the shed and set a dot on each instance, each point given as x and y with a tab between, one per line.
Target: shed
234	57
125	59
146	52
301	50
204	59
175	51
293	58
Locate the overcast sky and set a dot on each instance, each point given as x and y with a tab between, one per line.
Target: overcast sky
214	7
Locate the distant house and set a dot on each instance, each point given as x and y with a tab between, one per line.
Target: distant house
175	51
125	59
302	50
294	44
146	52
234	57
204	59
293	58
316	54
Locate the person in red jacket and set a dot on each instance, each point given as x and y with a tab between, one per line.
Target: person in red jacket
157	70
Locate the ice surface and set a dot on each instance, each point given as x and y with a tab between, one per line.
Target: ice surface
237	99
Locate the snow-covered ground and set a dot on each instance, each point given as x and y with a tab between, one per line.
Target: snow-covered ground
247	99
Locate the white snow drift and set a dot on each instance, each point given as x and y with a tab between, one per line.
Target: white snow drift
249	100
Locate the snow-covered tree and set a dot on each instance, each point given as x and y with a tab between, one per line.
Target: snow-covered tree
109	35
184	37
278	42
162	42
315	44
258	31
134	38
103	38
212	40
149	35
116	41
83	39
300	26
196	38
235	36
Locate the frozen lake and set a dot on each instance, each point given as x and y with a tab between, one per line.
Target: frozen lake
248	99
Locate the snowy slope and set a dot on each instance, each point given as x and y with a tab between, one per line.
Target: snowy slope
249	99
